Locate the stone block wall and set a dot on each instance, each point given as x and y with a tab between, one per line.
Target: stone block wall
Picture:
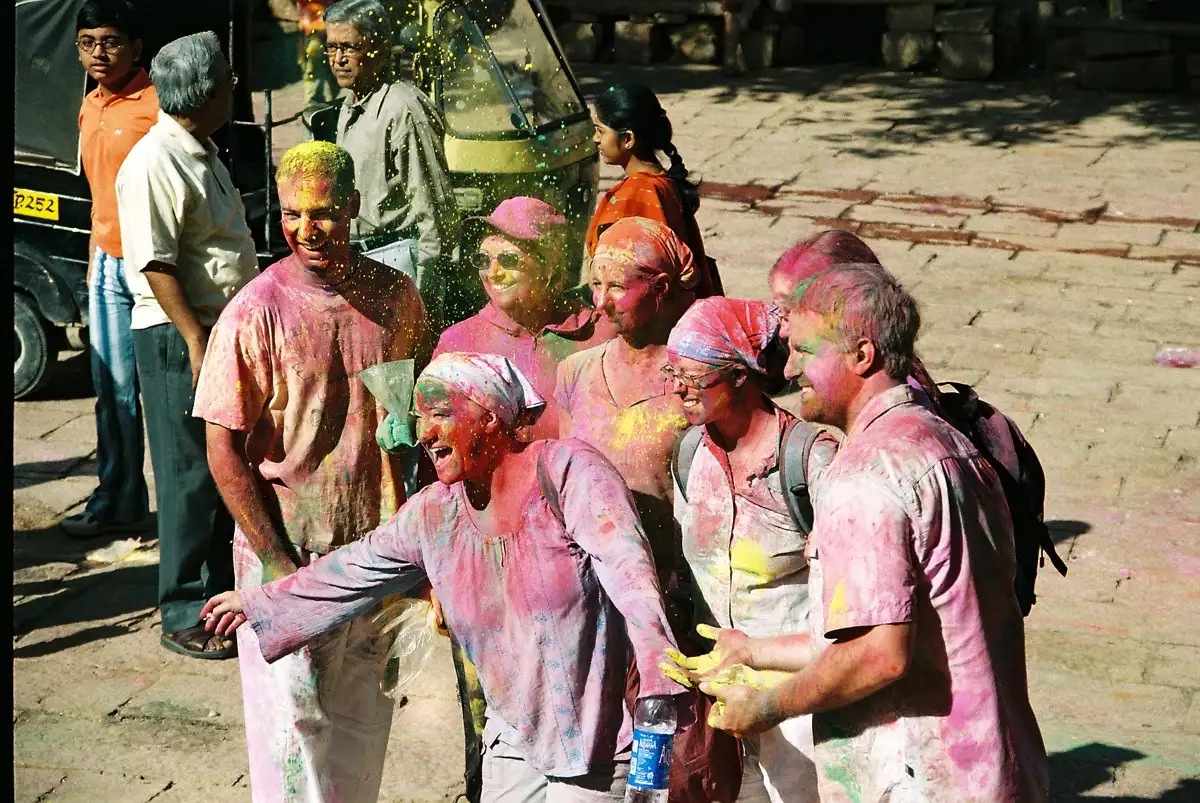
1128	60
968	43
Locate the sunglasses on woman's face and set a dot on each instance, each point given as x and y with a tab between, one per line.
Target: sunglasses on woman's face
507	260
695	382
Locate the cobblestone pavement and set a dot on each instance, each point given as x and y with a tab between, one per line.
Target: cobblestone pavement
1054	248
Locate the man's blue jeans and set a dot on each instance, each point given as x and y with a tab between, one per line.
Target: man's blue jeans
121	496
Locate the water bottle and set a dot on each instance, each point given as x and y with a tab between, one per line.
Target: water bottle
653	736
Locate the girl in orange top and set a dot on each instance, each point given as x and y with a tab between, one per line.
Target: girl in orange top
631	128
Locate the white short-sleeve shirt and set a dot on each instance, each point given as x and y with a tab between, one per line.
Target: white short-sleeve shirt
178	205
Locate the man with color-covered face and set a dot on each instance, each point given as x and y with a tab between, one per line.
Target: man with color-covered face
395	135
114	116
921	693
291	443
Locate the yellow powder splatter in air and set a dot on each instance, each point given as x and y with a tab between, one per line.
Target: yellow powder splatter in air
748	557
635	423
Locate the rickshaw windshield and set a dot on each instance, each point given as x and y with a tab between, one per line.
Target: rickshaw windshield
502	76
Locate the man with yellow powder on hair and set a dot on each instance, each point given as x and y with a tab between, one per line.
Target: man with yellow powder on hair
291	445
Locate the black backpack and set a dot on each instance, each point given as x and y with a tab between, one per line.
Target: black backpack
795	452
1024	481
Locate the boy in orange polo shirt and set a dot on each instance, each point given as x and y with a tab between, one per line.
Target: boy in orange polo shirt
113	117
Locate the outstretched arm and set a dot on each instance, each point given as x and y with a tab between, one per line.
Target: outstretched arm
600	516
336	588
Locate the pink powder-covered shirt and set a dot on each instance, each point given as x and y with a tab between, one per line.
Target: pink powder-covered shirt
744	550
637	438
537	356
912	526
282	365
542	613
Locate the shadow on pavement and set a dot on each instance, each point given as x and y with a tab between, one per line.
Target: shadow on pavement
28	475
72	379
923	108
1081	769
126	594
1066	529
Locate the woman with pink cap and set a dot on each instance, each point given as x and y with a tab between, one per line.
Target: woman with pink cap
745	553
530	317
543	571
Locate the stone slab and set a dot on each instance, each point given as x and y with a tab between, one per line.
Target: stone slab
696	42
967	56
910	18
1009	223
580	40
871	213
1131	233
34	784
1132	74
634	42
908	50
82	786
1099	44
965	20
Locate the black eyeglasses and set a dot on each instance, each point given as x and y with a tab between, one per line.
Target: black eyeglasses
350	50
508	260
109	44
690	381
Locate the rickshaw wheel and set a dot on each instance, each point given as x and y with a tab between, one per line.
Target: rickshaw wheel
32	349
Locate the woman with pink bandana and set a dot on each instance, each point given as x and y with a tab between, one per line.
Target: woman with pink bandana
543	572
614	396
744	551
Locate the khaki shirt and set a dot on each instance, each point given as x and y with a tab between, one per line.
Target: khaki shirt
395	137
178	205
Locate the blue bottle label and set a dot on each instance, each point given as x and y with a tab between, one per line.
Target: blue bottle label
651	764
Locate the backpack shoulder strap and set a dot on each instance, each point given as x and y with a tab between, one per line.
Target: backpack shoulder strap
682	456
798	440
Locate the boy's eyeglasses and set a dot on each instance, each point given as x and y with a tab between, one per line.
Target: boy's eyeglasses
109	44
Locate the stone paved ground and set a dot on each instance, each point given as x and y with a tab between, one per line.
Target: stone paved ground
1053	246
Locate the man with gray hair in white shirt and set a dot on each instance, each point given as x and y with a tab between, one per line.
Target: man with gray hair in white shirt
187	251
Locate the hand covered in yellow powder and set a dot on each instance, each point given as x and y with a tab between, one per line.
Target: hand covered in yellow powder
733	647
741	708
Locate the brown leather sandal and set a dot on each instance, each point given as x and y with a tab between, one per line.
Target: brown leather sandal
196	642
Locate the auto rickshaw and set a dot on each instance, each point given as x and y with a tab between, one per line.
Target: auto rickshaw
51	199
516	121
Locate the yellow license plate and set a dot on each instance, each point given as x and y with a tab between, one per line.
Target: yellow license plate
35	204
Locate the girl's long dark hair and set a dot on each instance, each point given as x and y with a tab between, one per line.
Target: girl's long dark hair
634	107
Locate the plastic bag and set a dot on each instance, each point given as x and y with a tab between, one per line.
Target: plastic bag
412	620
391	383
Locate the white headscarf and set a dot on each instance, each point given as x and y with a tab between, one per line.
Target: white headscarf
492	382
